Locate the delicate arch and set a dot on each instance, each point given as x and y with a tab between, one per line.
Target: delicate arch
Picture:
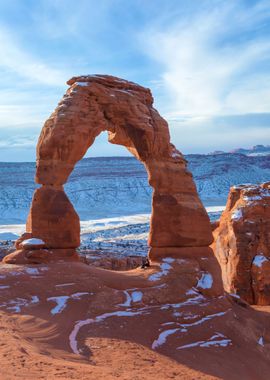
97	103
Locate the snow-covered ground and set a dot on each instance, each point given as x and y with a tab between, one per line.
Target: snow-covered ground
125	235
115	186
113	198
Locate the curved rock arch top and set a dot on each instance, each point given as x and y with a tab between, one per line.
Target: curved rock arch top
93	104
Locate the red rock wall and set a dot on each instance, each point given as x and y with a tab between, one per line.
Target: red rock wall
242	243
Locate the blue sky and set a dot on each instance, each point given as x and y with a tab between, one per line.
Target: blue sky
207	63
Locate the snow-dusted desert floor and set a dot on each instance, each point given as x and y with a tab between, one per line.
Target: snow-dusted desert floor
125	235
113	198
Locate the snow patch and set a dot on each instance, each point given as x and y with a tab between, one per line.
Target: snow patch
127	303
61	303
78	295
33	241
215	340
204	319
136	296
206	281
176	154
163	337
261	341
66	284
234	295
237	214
34	299
34	271
191	301
15	305
82	84
79	324
259	260
191	292
164	270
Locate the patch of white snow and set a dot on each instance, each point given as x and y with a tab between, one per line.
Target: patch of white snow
259	260
206	281
33	241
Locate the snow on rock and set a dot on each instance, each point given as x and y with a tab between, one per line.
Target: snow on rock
32	241
33	271
73	335
34	299
61	303
204	319
234	295
83	84
206	281
237	214
242	243
79	324
217	340
199	299
163	337
128	300
259	260
78	295
169	260
15	305
165	267
136	296
261	341
191	292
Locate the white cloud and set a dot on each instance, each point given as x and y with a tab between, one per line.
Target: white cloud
21	142
210	61
15	59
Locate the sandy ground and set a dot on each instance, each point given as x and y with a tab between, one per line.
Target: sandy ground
74	321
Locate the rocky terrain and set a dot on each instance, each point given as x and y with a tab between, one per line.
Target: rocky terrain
62	317
242	243
73	321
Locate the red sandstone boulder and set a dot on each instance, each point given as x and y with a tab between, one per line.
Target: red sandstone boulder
242	240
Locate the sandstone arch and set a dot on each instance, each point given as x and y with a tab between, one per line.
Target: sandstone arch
93	104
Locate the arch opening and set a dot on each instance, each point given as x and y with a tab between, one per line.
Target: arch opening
112	197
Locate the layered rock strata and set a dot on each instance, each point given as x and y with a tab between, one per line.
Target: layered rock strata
242	243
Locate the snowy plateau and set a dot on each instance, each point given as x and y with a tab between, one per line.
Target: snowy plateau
113	198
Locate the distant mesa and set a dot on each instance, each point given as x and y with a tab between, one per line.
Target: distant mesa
256	150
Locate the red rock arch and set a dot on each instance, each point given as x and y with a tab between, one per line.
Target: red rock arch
93	104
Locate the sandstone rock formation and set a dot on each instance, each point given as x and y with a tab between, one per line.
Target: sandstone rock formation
242	243
97	103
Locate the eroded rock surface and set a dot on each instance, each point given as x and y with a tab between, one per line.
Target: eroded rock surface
97	103
242	243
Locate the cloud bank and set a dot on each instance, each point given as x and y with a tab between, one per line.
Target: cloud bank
207	63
